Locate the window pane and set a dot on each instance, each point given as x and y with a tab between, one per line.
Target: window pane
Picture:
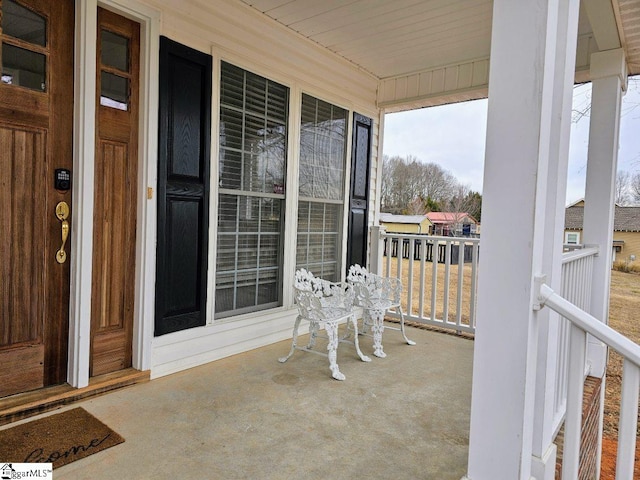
22	23
24	68
249	253
114	91
232	87
322	167
230	169
253	122
322	149
114	50
253	152
319	237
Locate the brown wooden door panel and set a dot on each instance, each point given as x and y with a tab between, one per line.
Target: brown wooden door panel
22	369
35	139
115	200
23	224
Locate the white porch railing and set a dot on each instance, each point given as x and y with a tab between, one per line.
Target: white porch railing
576	278
439	276
581	324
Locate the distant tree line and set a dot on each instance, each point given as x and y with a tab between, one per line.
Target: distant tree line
412	187
627	188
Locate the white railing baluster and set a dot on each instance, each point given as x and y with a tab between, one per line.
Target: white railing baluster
434	278
447	276
474	288
573	420
410	274
389	255
423	264
628	421
399	256
460	284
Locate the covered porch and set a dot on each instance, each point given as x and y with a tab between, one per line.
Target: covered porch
283	172
249	416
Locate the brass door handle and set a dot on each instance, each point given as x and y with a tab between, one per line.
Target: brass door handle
62	213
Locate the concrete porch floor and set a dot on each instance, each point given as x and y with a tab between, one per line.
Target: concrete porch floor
251	417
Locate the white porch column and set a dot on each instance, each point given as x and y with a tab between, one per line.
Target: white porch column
609	76
526	156
545	410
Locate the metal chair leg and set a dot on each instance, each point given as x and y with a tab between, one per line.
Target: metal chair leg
354	322
293	342
377	318
410	342
332	347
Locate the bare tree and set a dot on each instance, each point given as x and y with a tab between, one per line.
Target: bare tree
635	187
416	207
623	188
582	100
408	181
464	202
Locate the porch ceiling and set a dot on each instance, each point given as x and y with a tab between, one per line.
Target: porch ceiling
399	37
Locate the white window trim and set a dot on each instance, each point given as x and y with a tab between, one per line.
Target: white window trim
567	235
84	164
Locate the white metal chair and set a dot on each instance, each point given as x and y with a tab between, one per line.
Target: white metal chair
324	305
376	295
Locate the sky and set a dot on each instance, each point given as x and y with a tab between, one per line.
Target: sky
453	136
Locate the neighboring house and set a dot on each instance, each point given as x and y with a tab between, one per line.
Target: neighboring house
167	165
456	224
405	223
626	230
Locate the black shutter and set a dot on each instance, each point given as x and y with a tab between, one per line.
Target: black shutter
359	196
183	187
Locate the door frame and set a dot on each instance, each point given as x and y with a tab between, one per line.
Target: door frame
84	132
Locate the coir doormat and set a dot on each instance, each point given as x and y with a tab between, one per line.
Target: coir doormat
59	439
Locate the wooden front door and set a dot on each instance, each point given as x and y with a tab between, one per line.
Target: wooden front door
36	108
115	202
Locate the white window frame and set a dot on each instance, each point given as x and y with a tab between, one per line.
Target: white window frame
569	235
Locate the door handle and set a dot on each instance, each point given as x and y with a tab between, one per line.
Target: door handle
62	213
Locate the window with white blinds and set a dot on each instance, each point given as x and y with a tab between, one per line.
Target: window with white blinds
323	145
251	180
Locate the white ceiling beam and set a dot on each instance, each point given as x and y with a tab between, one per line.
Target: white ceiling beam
603	23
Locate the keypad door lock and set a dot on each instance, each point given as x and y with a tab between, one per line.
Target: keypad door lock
62	180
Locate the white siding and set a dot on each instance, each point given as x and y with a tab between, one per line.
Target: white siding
267	47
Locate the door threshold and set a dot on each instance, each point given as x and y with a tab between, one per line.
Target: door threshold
28	404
